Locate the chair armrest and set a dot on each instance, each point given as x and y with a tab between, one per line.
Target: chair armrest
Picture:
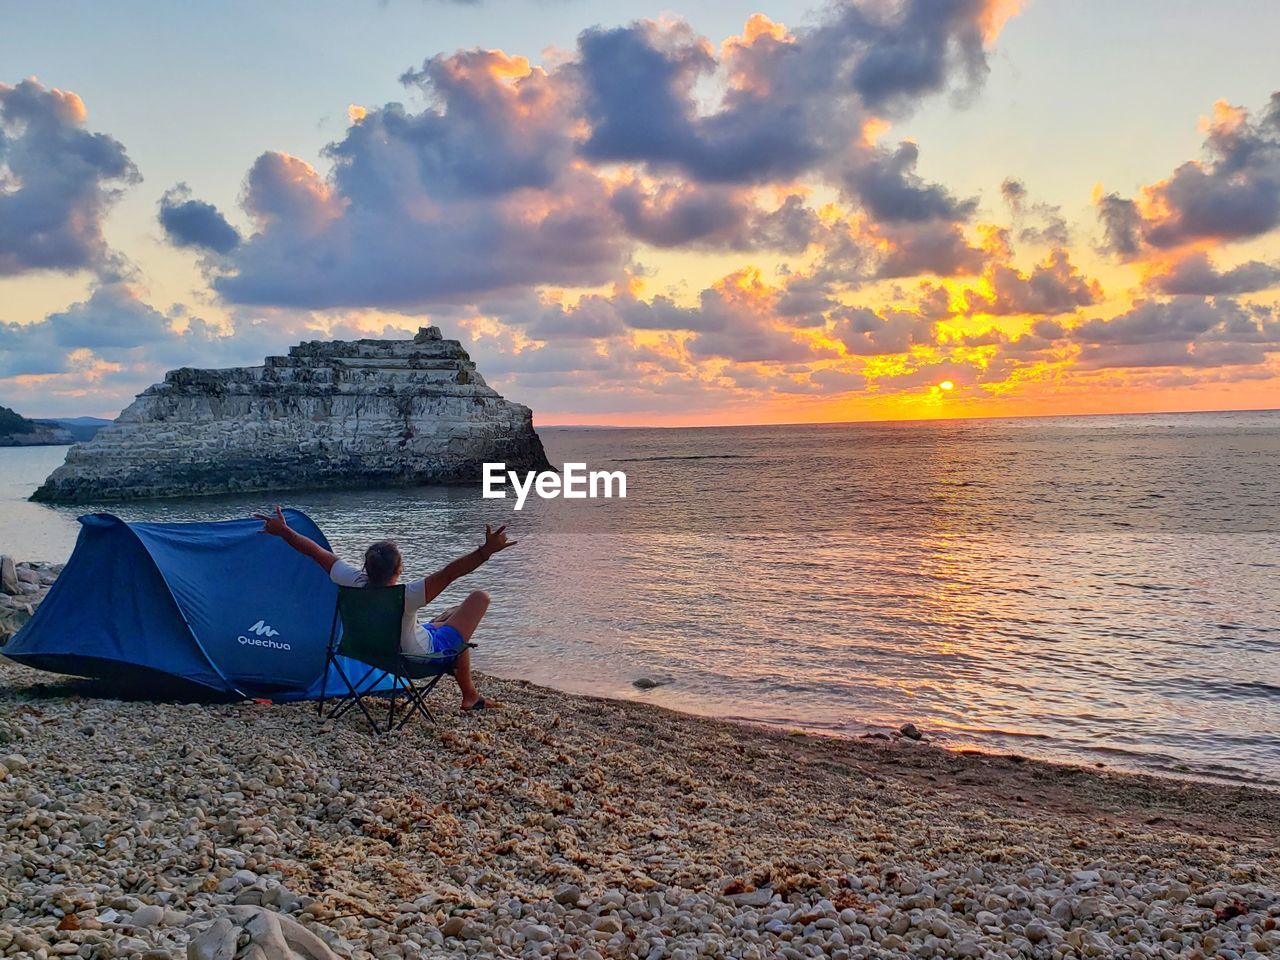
426	657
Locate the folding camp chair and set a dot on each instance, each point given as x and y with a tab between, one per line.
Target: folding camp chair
370	621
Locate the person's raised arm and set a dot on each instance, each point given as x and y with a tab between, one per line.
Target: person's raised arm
494	541
275	525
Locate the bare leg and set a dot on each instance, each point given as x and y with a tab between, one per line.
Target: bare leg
465	618
445	615
462	673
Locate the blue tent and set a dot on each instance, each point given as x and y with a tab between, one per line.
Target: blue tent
218	605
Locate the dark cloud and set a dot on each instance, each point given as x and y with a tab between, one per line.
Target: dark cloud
485	191
937	248
1196	274
737	317
792	102
1053	232
592	317
57	181
1014	193
112	317
483	136
680	214
1053	287
194	223
834	381
889	188
804	300
865	332
475	195
753	341
315	248
1044	342
1182	331
1049	228
904	51
1120	224
1232	194
112	321
116	325
738	320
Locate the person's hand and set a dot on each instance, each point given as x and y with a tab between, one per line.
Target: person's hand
273	523
495	540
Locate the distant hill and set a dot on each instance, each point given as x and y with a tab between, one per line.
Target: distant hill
17	431
82	428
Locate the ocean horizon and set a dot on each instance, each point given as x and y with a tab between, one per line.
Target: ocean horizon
1093	590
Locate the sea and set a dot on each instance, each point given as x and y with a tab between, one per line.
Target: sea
1093	590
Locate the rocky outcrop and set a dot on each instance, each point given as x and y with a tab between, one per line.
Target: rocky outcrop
18	431
330	414
22	587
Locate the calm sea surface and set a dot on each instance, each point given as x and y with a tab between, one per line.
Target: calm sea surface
1102	589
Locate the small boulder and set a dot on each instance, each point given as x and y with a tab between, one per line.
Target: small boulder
8	576
607	924
753	898
453	926
910	731
646	683
217	942
279	937
145	916
567	895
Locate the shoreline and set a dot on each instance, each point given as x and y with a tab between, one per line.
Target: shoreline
26	583
569	825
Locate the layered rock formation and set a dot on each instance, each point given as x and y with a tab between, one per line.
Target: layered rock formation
330	414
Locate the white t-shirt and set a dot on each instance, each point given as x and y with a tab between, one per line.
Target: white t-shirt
413	635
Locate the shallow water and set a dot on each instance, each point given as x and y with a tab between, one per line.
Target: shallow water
1096	589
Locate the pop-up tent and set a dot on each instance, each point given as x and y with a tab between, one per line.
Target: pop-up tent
219	605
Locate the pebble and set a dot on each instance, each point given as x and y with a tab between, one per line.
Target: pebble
204	830
453	926
568	895
146	916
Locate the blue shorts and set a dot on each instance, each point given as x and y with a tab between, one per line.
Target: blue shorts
440	639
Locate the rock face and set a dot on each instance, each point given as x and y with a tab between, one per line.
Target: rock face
331	414
22	587
18	431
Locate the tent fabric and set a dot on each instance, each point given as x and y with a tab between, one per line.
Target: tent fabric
218	605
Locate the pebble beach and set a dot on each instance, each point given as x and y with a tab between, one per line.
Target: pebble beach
565	826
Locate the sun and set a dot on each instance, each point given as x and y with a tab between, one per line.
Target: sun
946	385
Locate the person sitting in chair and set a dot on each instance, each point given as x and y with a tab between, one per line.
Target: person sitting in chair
448	633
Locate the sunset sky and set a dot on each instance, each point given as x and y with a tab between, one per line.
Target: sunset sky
720	213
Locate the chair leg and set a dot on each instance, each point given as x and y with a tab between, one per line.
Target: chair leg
419	698
391	702
356	697
328	661
350	689
324	684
